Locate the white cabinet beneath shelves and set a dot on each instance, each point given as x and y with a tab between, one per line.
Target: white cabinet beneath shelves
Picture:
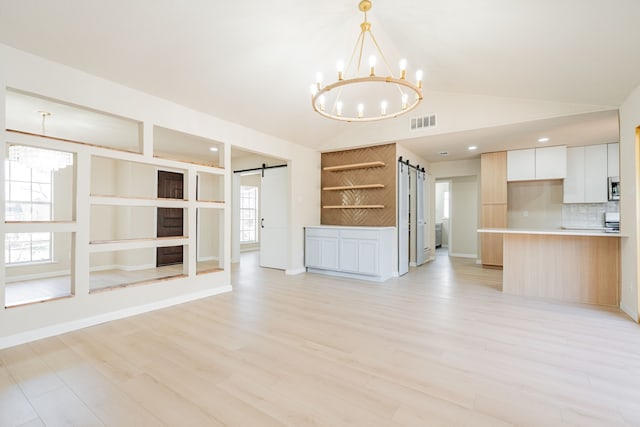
357	252
537	163
586	180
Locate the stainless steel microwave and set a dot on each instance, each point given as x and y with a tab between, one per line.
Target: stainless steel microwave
614	188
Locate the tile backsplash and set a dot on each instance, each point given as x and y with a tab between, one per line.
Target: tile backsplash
587	215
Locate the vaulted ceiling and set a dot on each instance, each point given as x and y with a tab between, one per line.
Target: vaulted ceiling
497	72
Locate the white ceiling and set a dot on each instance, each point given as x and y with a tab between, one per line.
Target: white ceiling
251	62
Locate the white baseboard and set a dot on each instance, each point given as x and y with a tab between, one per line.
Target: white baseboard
294	271
208	258
478	261
629	312
61	328
463	255
413	264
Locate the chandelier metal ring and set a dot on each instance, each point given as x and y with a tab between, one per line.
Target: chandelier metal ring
368	79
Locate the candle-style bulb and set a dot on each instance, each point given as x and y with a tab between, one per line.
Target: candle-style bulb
321	101
405	98
383	108
339	108
313	89
360	110
319	80
340	69
403	68
372	65
419	76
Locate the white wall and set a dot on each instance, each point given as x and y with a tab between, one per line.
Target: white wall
463	235
630	203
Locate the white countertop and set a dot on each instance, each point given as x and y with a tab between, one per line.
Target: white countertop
550	231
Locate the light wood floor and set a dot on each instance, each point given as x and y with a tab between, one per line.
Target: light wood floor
441	346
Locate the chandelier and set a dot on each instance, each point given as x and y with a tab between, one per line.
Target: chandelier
345	98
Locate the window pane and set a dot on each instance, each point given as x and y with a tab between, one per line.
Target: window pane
19	172
43	176
18	212
20	191
40	212
40	251
40	192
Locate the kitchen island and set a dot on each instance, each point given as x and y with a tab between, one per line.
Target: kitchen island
570	265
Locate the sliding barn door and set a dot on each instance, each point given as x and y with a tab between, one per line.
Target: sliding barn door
420	218
274	221
403	218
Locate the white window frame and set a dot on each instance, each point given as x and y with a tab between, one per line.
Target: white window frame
253	210
9	199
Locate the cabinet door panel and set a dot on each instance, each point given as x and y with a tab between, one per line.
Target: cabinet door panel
491	245
349	255
329	253
573	186
368	257
493	177
494	216
312	252
521	165
595	177
551	162
613	159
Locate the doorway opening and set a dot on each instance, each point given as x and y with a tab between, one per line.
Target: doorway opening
260	210
443	216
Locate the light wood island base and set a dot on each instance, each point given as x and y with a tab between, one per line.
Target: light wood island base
582	269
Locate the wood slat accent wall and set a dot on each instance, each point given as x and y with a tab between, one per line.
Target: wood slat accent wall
382	171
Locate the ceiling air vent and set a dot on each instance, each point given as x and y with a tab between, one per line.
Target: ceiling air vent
424	122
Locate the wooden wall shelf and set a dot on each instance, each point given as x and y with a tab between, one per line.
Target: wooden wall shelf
354	166
353	207
352	187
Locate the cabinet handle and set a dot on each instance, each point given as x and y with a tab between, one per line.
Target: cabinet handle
261	222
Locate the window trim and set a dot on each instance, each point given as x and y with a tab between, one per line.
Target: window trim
256	220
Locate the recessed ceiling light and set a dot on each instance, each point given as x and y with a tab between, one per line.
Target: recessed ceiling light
473	147
543	139
443	153
213	149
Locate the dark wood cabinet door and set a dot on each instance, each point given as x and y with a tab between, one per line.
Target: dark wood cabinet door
170	220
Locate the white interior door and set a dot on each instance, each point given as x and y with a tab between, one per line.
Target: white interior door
274	218
419	233
403	218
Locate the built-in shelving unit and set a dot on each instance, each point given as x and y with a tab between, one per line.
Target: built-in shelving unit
351	166
353	207
353	187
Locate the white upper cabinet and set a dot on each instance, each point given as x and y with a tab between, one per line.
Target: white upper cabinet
551	162
586	180
613	159
574	182
521	165
537	163
595	174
